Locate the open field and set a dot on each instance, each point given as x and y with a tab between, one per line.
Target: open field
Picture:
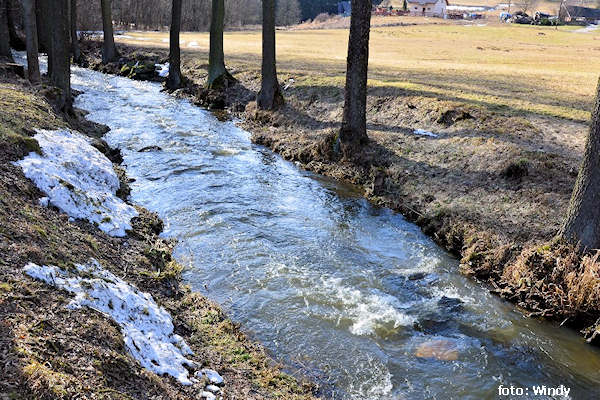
512	68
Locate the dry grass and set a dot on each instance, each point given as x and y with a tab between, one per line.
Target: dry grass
583	285
518	69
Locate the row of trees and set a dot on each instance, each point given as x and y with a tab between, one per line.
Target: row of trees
156	14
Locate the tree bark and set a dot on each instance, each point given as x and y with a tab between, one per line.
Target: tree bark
582	224
5	52
42	11
218	76
29	18
60	54
109	50
174	79
75	50
270	96
354	123
17	41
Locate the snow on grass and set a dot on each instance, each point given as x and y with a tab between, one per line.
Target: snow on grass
78	180
147	328
423	132
587	29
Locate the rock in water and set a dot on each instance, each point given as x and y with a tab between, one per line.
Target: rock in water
444	350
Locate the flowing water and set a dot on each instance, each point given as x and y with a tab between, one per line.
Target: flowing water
352	295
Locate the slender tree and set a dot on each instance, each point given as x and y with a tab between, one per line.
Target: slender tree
16	40
218	76
5	52
75	50
29	19
354	123
269	96
174	79
109	50
42	12
582	225
60	54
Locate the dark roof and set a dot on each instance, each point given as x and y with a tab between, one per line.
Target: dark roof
583	12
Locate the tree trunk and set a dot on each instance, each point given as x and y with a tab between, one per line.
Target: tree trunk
5	52
218	76
174	80
43	26
109	50
269	96
354	123
16	40
60	54
75	50
29	18
582	225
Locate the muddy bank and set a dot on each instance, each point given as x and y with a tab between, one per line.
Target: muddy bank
488	183
50	351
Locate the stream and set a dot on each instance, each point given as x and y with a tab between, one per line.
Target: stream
350	295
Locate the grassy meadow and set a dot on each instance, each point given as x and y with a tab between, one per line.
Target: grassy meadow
512	68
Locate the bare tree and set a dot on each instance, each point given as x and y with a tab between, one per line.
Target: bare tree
29	19
60	54
109	50
269	96
527	5
42	12
4	35
75	50
174	80
582	225
16	40
288	12
354	123
218	76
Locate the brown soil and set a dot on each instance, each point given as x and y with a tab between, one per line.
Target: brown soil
48	351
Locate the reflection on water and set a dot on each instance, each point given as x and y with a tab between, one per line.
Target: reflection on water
351	294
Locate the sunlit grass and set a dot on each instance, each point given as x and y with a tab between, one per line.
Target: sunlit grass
514	68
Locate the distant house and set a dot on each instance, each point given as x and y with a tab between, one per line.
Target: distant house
428	8
580	14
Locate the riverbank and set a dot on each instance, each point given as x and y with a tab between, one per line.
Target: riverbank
489	183
51	351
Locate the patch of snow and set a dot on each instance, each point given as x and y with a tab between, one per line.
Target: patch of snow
147	328
163	70
193	44
212	376
79	180
423	132
44	201
587	29
208	395
466	8
165	40
213	388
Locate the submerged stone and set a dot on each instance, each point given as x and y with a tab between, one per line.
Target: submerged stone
444	350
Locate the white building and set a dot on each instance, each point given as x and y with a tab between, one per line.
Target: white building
427	8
